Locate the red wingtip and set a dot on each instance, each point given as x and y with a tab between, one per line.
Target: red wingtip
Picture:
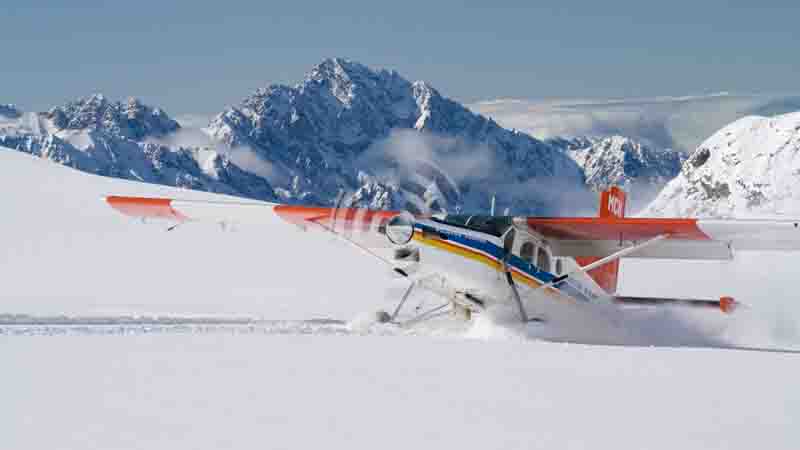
145	207
727	304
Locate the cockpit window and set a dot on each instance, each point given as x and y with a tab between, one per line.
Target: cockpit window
494	225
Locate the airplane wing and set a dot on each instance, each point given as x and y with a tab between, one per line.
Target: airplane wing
251	212
680	238
364	228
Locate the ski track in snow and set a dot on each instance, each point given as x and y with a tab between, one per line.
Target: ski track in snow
483	328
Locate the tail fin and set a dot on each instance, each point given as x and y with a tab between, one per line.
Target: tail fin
612	205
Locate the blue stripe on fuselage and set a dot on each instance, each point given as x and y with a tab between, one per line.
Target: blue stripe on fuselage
498	253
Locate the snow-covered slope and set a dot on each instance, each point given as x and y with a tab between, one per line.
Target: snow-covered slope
291	383
231	390
749	168
98	263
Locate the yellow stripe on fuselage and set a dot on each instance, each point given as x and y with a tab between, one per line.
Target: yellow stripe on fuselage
479	257
458	250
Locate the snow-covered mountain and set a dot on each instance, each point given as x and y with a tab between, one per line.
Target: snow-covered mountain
380	140
389	143
617	160
621	161
112	139
749	168
9	111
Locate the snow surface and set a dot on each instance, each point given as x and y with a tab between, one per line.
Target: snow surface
67	252
287	381
224	390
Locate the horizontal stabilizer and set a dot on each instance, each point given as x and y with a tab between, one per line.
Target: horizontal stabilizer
724	304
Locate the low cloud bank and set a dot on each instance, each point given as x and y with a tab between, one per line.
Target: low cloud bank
667	122
191	135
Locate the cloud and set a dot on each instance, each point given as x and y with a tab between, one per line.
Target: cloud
666	122
406	151
247	159
192	135
474	172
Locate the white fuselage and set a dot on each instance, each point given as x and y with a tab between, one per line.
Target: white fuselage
475	262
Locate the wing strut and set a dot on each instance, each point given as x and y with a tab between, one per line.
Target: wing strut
523	315
512	286
603	261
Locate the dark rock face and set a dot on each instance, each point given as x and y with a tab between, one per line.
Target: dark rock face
700	157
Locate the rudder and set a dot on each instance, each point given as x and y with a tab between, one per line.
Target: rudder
612	205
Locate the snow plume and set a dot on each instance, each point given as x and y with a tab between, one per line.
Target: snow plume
764	283
566	321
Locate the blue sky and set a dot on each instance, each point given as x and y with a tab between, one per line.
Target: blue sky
198	56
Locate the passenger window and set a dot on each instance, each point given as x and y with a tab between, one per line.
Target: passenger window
526	252
559	266
543	260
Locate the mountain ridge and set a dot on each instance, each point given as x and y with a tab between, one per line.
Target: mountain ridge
383	141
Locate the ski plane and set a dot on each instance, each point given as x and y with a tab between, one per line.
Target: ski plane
536	265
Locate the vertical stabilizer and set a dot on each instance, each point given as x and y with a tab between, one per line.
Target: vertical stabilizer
612	205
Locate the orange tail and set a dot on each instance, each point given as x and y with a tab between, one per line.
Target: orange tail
612	205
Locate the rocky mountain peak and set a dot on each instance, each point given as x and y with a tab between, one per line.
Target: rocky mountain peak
622	161
129	120
320	132
9	111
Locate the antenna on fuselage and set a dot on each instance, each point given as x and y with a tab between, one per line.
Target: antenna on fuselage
491	212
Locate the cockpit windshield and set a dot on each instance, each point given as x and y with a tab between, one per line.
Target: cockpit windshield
494	225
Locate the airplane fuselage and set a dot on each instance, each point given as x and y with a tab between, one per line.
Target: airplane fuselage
477	262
